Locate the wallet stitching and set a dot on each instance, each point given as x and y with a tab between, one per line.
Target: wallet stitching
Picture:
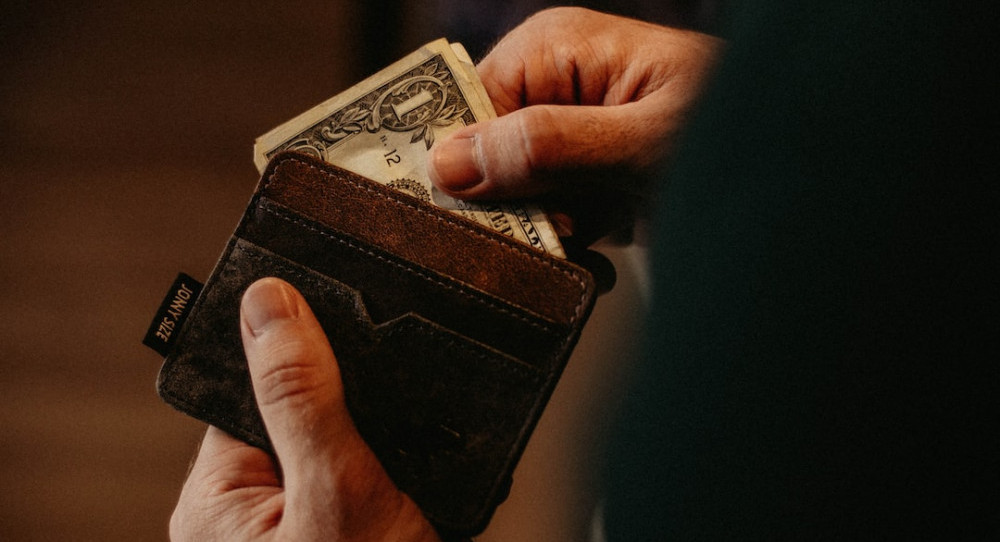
578	310
300	222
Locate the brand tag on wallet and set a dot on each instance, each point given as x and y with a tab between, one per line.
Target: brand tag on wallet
173	311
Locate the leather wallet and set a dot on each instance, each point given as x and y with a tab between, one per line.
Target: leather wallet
450	337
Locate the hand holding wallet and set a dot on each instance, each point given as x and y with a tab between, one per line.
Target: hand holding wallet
450	337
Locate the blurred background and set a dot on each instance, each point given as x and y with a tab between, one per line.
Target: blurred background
125	156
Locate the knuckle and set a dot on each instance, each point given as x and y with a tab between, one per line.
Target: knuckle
288	382
530	141
519	153
542	137
522	153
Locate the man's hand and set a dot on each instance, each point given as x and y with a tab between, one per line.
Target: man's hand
583	99
328	486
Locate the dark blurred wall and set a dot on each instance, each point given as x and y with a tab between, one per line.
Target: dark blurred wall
125	155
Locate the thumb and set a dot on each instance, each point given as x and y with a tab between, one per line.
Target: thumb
334	486
295	379
545	147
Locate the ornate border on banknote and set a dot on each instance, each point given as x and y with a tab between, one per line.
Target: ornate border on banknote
417	100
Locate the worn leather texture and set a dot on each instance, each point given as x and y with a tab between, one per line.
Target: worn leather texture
450	337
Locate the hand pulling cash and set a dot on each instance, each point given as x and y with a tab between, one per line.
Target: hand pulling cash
384	127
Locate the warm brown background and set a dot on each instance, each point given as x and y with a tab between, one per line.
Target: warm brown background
125	156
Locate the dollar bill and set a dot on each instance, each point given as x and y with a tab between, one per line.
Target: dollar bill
384	127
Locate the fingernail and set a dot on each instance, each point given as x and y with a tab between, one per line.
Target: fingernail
454	164
268	300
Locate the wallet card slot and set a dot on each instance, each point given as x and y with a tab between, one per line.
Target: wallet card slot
424	397
341	308
392	287
428	236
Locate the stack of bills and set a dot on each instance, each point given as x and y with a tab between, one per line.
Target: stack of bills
384	127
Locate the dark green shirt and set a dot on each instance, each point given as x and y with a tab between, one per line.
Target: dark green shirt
821	358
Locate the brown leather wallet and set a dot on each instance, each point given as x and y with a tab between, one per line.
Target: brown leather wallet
450	337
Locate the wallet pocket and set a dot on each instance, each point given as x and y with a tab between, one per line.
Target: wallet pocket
446	439
392	286
449	337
